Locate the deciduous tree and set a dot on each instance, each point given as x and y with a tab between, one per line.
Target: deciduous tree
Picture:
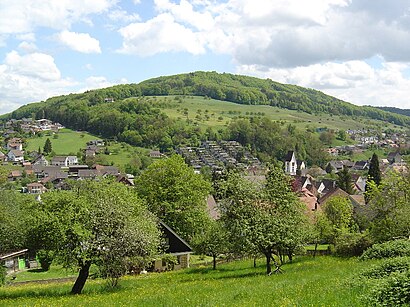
175	194
102	223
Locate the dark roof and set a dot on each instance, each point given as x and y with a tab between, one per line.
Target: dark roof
289	155
176	244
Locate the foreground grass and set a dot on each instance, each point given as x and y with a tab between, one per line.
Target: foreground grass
320	281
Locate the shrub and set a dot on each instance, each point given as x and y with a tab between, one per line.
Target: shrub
351	244
387	267
391	291
389	249
45	258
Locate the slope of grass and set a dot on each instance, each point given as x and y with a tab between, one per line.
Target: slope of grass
217	109
66	141
321	281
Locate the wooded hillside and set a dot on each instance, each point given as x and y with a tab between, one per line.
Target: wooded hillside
227	87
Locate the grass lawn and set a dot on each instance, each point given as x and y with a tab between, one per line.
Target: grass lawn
39	274
320	281
67	141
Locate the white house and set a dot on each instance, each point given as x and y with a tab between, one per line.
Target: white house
64	160
15	156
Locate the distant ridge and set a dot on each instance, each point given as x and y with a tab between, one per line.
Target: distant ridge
405	112
221	86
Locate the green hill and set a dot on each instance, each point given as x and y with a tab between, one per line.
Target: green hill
227	87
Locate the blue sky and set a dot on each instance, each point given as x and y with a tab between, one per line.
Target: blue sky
356	50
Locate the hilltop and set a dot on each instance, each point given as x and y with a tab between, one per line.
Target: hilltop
225	87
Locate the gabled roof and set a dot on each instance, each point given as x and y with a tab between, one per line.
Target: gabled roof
16	153
176	244
59	159
336	192
289	155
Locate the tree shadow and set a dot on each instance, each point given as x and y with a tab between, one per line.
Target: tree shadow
57	291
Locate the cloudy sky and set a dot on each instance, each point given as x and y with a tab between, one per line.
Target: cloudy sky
357	50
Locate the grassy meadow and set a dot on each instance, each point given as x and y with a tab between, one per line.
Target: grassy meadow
222	112
320	281
65	142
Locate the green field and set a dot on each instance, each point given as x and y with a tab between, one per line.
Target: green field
227	110
65	142
71	142
320	281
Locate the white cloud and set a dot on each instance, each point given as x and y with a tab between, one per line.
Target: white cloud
123	16
29	37
352	81
81	42
160	34
28	78
27	46
96	82
22	16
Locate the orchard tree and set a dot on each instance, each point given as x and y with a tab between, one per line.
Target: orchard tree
175	194
102	223
13	227
339	212
389	207
212	241
268	218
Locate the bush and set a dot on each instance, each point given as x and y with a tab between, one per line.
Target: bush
387	267
389	249
351	244
391	291
45	258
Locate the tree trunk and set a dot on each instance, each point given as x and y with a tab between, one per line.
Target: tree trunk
214	262
290	254
268	265
254	261
314	252
82	278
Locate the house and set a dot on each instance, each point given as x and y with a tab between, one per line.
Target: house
40	160
59	161
109	99
15	261
95	143
64	160
15	156
125	180
15	175
361	165
14	146
155	154
176	246
325	186
337	192
291	163
36	188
